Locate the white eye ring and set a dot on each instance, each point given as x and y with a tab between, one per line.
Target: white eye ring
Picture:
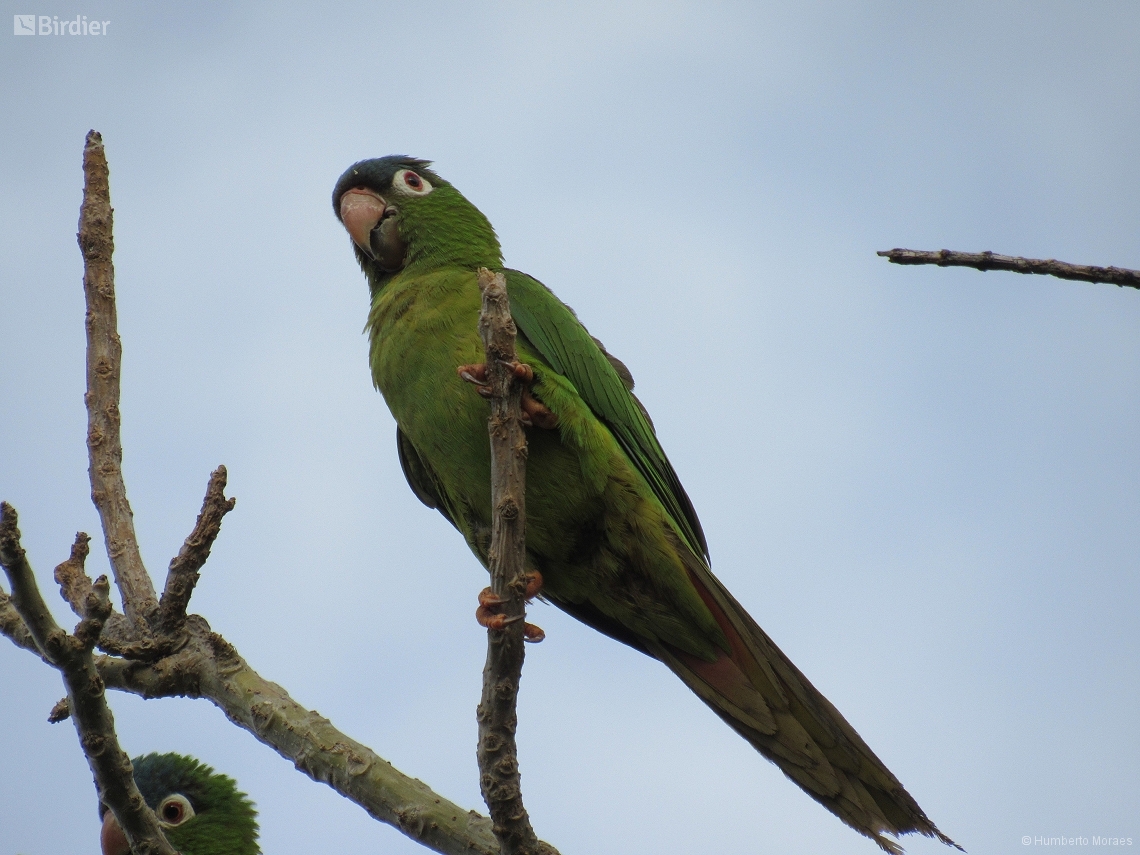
411	184
174	811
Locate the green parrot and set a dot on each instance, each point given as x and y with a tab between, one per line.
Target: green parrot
610	532
201	812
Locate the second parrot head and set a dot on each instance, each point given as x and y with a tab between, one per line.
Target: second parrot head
401	214
201	812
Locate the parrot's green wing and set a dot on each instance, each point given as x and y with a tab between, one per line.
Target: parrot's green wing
421	478
604	384
425	484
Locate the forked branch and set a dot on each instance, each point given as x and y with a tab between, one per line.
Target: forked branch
157	649
86	702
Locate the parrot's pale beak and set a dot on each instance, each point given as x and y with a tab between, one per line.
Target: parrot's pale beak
111	838
360	211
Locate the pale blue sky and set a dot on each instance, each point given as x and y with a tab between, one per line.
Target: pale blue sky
921	482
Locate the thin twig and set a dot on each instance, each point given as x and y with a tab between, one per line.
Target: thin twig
74	583
13	626
183	573
104	363
87	703
1015	264
26	597
498	754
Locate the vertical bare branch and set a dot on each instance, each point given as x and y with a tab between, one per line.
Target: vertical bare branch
498	755
87	703
104	365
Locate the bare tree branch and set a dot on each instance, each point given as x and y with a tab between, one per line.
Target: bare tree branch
104	366
74	583
87	703
183	573
26	598
13	626
1015	264
498	754
205	665
209	667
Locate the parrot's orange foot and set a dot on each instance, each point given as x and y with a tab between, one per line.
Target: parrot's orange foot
488	613
533	585
476	374
534	412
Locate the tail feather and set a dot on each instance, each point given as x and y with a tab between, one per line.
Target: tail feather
759	692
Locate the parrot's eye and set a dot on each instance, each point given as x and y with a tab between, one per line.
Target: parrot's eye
410	183
174	810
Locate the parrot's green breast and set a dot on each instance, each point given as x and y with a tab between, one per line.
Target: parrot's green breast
591	523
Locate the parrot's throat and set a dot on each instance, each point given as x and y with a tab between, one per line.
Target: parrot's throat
445	230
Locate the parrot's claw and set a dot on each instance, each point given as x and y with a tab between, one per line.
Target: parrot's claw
489	616
477	372
522	371
476	375
534	412
533	585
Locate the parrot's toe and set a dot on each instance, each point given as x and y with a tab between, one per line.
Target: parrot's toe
489	616
477	375
533	585
534	412
488	613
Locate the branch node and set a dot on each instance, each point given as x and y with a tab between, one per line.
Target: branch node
60	712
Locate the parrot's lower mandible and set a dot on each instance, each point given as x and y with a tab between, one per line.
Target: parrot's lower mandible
611	536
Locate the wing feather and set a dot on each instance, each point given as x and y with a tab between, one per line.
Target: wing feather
553	328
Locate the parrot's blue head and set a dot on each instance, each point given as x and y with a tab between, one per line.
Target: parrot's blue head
377	174
400	214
